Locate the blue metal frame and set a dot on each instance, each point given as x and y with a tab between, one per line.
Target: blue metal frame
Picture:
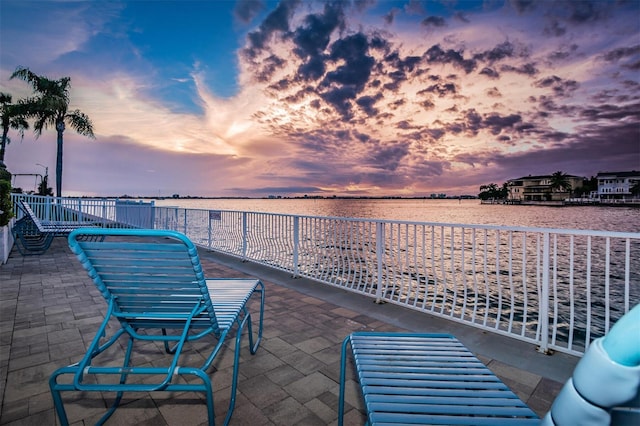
409	378
153	280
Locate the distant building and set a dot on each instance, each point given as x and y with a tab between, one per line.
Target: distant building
538	188
616	185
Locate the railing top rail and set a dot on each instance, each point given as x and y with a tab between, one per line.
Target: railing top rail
566	231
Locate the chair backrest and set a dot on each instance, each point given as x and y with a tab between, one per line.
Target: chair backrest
154	277
35	219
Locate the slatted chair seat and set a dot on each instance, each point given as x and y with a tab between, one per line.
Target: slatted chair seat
153	280
409	378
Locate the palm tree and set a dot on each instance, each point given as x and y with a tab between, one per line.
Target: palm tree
560	182
12	118
50	108
488	192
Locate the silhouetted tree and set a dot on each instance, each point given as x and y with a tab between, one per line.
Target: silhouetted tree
12	117
50	108
560	182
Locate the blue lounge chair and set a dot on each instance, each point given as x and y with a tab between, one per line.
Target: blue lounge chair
409	378
34	236
155	288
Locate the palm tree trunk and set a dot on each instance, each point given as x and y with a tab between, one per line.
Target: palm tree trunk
4	144
60	129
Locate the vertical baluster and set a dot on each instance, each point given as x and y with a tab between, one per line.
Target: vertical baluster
607	284
544	300
554	329
380	237
571	292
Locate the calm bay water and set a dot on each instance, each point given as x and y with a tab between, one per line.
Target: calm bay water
623	219
571	297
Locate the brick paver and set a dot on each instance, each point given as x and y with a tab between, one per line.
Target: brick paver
50	310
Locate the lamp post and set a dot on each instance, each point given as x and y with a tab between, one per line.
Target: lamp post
44	183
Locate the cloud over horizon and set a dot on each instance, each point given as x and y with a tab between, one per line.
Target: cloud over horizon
348	98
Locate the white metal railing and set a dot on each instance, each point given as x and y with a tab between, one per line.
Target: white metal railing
555	288
106	211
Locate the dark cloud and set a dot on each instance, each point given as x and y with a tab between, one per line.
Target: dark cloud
563	53
378	42
472	121
523	5
622	52
391	16
314	35
554	28
396	77
560	87
350	77
276	21
340	98
436	54
367	103
397	103
433	21
427	104
361	136
583	10
246	10
493	92
268	67
591	149
312	38
279	85
405	125
462	17
496	123
313	69
406	64
441	90
498	53
435	134
526	69
630	113
490	72
389	158
632	53
341	76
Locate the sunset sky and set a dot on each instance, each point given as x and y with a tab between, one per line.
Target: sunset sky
256	98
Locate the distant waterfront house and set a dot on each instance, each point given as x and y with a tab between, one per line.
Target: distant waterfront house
540	188
617	185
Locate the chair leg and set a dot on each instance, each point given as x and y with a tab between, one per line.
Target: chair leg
254	347
57	398
123	378
343	369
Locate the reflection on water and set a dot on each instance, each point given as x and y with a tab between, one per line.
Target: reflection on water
490	277
623	219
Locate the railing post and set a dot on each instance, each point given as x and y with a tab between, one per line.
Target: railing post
185	222
209	227
244	236
544	297
48	209
296	243
80	216
379	257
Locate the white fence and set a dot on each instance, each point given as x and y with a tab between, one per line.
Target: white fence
555	288
109	212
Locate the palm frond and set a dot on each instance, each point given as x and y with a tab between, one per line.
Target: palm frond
81	123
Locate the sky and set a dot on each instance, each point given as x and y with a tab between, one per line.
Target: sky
253	98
